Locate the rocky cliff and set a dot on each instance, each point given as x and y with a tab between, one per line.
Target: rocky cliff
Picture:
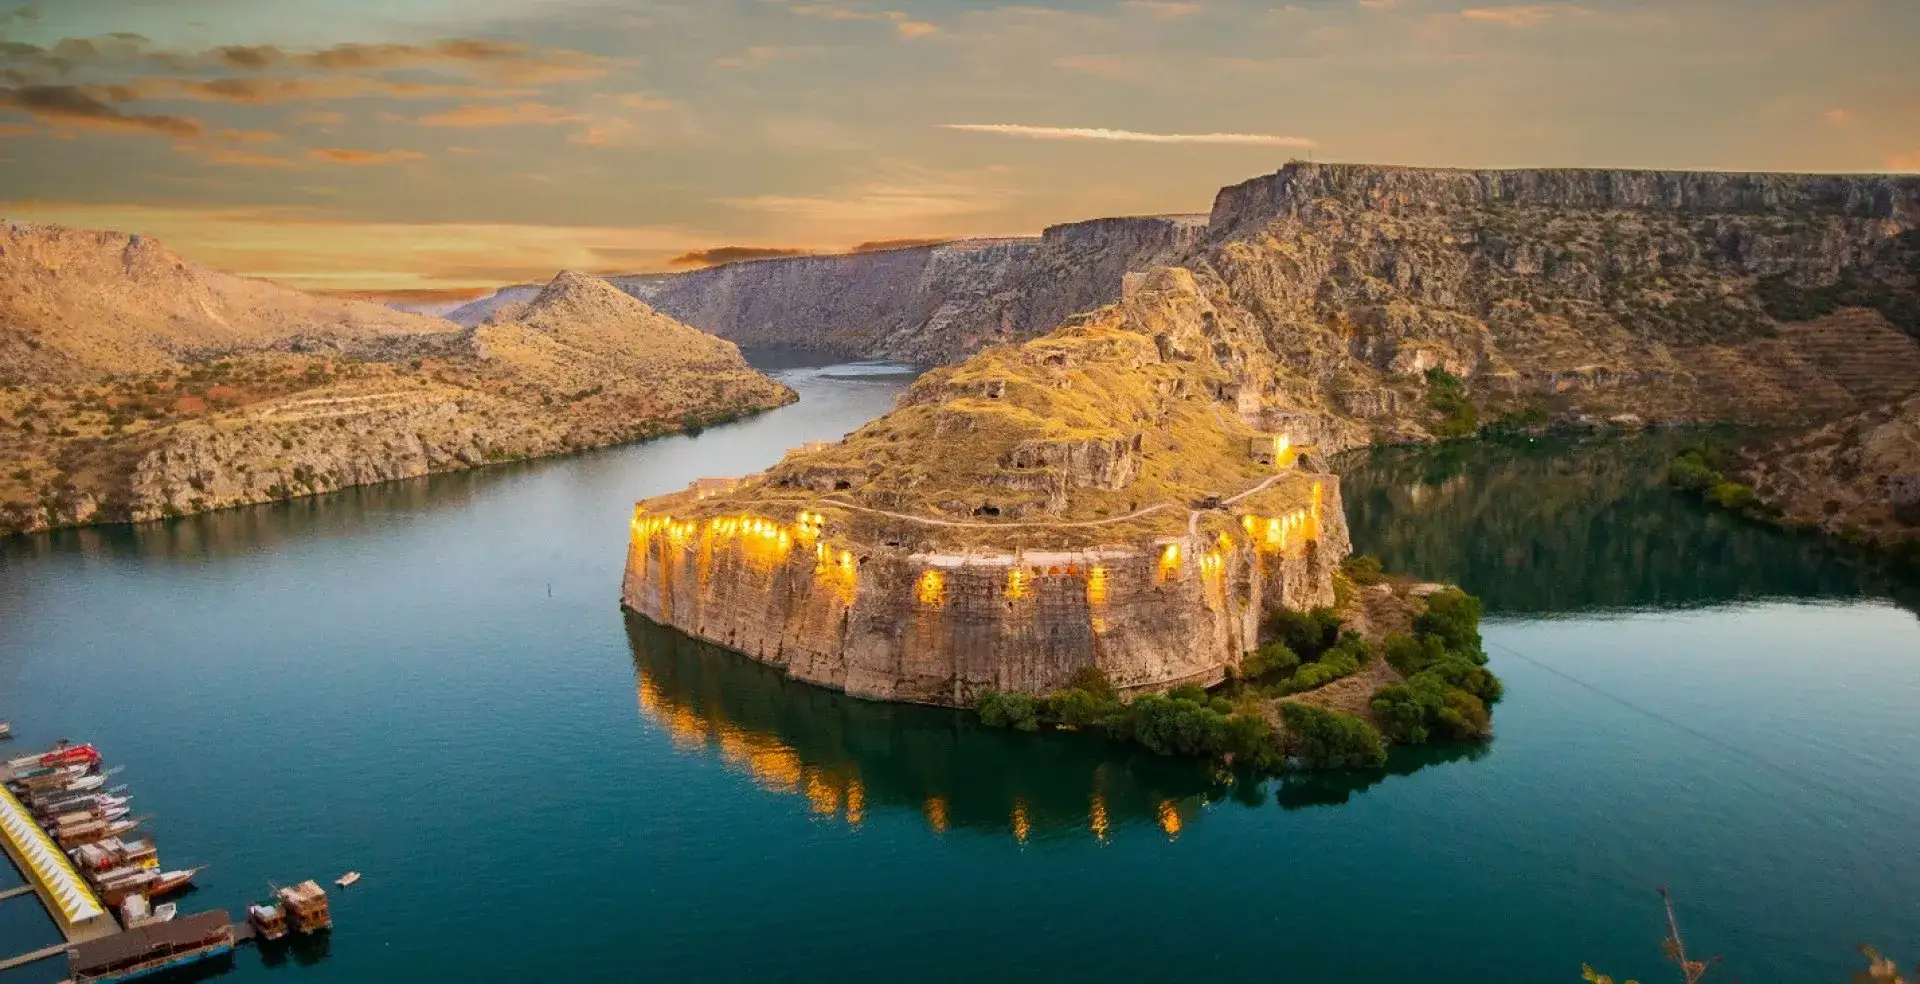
921	304
952	546
1093	498
226	391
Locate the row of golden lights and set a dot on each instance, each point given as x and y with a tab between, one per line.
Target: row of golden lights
1271	533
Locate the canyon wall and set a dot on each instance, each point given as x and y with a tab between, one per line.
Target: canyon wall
921	304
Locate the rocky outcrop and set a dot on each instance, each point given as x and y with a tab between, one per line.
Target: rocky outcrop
1330	305
1857	478
921	304
329	407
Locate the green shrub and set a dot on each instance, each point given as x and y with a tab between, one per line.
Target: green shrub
1272	659
1460	674
1331	740
1453	616
1688	472
1189	691
1094	681
1410	655
1307	633
1402	715
1009	710
1730	495
1447	397
1364	569
1077	709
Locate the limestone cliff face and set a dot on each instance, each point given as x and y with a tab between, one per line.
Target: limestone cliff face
1670	296
921	304
1858	477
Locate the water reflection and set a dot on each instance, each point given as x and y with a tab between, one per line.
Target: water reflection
848	758
1563	525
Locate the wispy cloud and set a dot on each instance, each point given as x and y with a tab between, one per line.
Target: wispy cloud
1131	136
1163	9
1520	15
236	157
732	254
363	158
905	24
91	107
517	114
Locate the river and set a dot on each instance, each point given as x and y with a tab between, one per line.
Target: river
432	683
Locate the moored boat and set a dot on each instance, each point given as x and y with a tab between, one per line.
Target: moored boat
151	948
306	906
173	881
347	879
114	852
6	729
62	753
268	919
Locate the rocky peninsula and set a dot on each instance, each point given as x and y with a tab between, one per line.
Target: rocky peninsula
1136	490
139	386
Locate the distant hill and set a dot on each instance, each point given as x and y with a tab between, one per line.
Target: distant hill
138	385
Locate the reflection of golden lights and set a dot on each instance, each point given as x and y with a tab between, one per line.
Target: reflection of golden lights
932	589
1169	819
1022	825
1097	818
1097	586
936	811
856	801
1017	581
822	796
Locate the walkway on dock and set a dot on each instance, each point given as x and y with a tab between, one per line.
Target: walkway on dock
78	914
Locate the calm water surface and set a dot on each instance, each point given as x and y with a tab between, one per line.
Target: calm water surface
432	683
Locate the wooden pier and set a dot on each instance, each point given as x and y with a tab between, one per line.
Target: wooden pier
72	906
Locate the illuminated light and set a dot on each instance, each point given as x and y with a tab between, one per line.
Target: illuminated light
846	561
1017	581
1097	818
1169	560
936	811
1248	522
1169	820
1096	585
820	552
1226	542
1022	826
856	801
932	589
785	540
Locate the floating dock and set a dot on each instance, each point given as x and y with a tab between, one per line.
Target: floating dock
69	900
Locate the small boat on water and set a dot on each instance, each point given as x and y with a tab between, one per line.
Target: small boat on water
113	852
62	753
172	881
268	919
136	912
150	949
347	879
6	729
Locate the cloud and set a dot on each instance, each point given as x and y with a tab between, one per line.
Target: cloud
248	136
903	23
761	54
731	254
518	114
267	91
1100	66
903	193
405	55
236	157
882	245
1131	136
307	249
1904	162
644	102
1519	15
1165	9
93	108
1838	117
16	129
362	158
249	56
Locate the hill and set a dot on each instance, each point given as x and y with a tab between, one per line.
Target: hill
145	386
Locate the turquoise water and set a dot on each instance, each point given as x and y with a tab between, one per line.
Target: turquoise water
432	683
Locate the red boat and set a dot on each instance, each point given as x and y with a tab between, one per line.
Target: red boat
61	754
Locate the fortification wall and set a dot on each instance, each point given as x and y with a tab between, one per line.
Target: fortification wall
941	628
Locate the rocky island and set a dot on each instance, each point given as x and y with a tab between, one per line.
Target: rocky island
1137	491
137	385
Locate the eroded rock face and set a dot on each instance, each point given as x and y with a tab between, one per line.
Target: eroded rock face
920	304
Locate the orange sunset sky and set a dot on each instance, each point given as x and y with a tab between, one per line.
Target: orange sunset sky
427	144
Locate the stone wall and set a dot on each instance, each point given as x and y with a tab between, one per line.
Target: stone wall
888	623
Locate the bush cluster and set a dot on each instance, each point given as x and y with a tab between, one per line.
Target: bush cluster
1330	740
1448	686
1183	721
1447	397
1697	470
1364	569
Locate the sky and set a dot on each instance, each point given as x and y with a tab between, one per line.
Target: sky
432	144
